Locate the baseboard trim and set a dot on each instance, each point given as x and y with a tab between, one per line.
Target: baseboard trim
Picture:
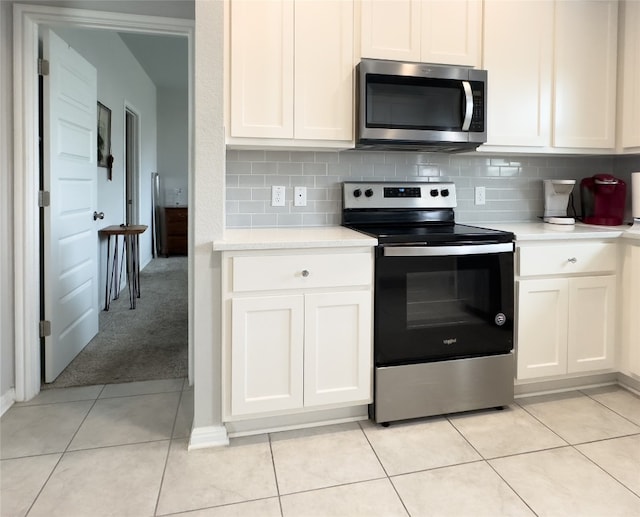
628	382
544	387
7	400
301	420
209	436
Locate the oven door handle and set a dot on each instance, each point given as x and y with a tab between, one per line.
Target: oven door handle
443	251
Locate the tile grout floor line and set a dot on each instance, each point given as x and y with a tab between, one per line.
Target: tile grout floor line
275	474
607	407
166	458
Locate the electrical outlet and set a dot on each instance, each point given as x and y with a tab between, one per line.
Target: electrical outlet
277	195
300	196
481	196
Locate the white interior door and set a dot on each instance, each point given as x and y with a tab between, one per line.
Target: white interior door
70	233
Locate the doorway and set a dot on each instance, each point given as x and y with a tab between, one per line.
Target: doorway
128	347
28	20
131	170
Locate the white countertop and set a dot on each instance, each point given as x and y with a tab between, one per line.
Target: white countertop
338	236
289	238
539	231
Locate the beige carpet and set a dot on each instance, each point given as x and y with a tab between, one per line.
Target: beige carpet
149	342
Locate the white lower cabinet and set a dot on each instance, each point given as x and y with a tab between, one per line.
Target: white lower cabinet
299	338
565	319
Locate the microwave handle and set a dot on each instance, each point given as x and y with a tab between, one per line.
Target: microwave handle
468	113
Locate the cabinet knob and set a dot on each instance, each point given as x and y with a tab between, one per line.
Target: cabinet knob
305	273
573	260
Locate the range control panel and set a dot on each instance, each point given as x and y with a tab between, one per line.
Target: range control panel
382	194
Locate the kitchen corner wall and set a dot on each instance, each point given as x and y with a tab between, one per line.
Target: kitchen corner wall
513	183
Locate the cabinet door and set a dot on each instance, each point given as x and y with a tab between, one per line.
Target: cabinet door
391	29
324	66
585	73
518	55
338	348
541	345
630	75
591	323
261	87
450	32
266	354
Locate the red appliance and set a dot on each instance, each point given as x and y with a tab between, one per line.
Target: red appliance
603	199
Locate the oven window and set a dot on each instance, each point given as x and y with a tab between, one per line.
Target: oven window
442	298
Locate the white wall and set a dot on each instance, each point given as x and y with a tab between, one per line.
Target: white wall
121	82
173	144
7	378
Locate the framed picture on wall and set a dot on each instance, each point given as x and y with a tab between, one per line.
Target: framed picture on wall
104	135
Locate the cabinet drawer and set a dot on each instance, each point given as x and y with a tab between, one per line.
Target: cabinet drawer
177	227
267	272
566	259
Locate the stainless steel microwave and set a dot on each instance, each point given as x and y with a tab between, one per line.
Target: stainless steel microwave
420	106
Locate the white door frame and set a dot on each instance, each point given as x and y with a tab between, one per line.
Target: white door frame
26	20
135	177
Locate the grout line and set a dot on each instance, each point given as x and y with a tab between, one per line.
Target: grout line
610	409
383	468
510	487
164	471
604	470
338	485
62	454
275	474
373	449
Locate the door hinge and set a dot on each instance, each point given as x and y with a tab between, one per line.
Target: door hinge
44	198
43	67
45	328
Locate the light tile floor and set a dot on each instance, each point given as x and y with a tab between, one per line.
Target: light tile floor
122	450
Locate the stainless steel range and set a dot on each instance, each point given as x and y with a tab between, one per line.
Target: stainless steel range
443	316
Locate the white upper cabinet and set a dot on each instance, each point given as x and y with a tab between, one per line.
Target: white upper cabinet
629	76
552	75
324	64
391	29
430	31
291	71
261	88
518	56
451	32
585	74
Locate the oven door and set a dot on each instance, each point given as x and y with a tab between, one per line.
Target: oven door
442	302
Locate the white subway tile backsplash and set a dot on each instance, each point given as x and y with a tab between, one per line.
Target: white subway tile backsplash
278	156
513	183
265	168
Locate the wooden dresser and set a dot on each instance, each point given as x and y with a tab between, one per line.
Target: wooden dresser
176	224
